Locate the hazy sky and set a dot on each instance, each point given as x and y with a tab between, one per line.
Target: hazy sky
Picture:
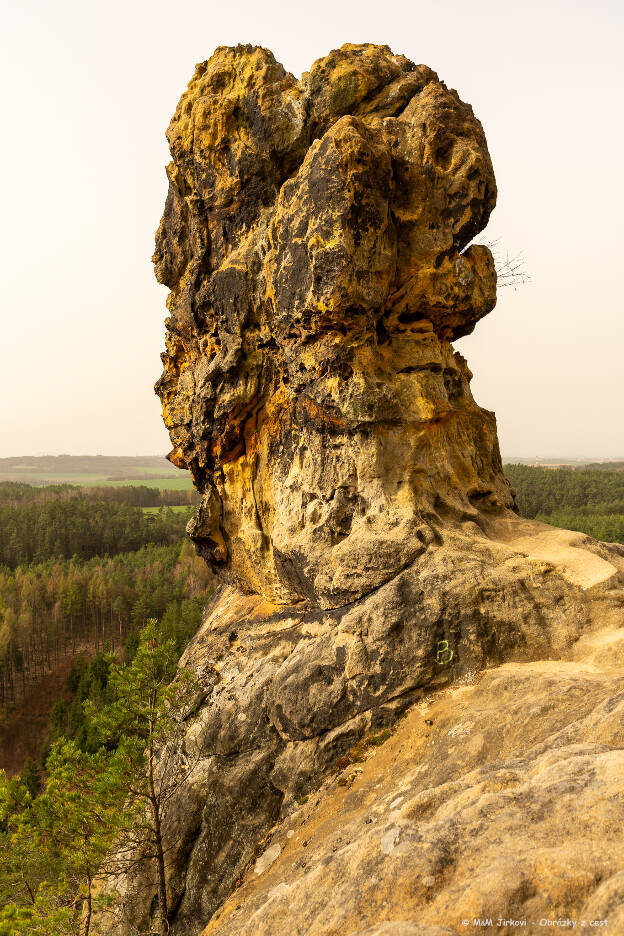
87	92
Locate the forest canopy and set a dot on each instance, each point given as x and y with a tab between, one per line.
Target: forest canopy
590	500
81	569
57	608
62	521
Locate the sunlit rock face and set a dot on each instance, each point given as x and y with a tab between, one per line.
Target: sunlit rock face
315	242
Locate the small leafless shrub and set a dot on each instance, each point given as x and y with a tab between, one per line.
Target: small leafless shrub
510	270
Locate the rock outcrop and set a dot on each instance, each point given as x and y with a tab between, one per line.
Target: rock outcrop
500	800
316	244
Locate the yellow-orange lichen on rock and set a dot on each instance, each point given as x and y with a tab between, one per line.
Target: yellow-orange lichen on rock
315	241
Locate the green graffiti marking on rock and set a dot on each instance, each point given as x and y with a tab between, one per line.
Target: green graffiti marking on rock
442	651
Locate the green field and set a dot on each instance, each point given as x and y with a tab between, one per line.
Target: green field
41	478
95	470
185	508
183	483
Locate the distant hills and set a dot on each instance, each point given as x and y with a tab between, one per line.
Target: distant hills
602	464
88	469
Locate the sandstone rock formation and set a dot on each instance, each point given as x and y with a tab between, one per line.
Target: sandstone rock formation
497	800
316	244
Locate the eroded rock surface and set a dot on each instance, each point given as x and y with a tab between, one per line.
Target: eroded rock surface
289	691
316	244
499	800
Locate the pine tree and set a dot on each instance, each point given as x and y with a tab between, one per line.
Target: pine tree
144	722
